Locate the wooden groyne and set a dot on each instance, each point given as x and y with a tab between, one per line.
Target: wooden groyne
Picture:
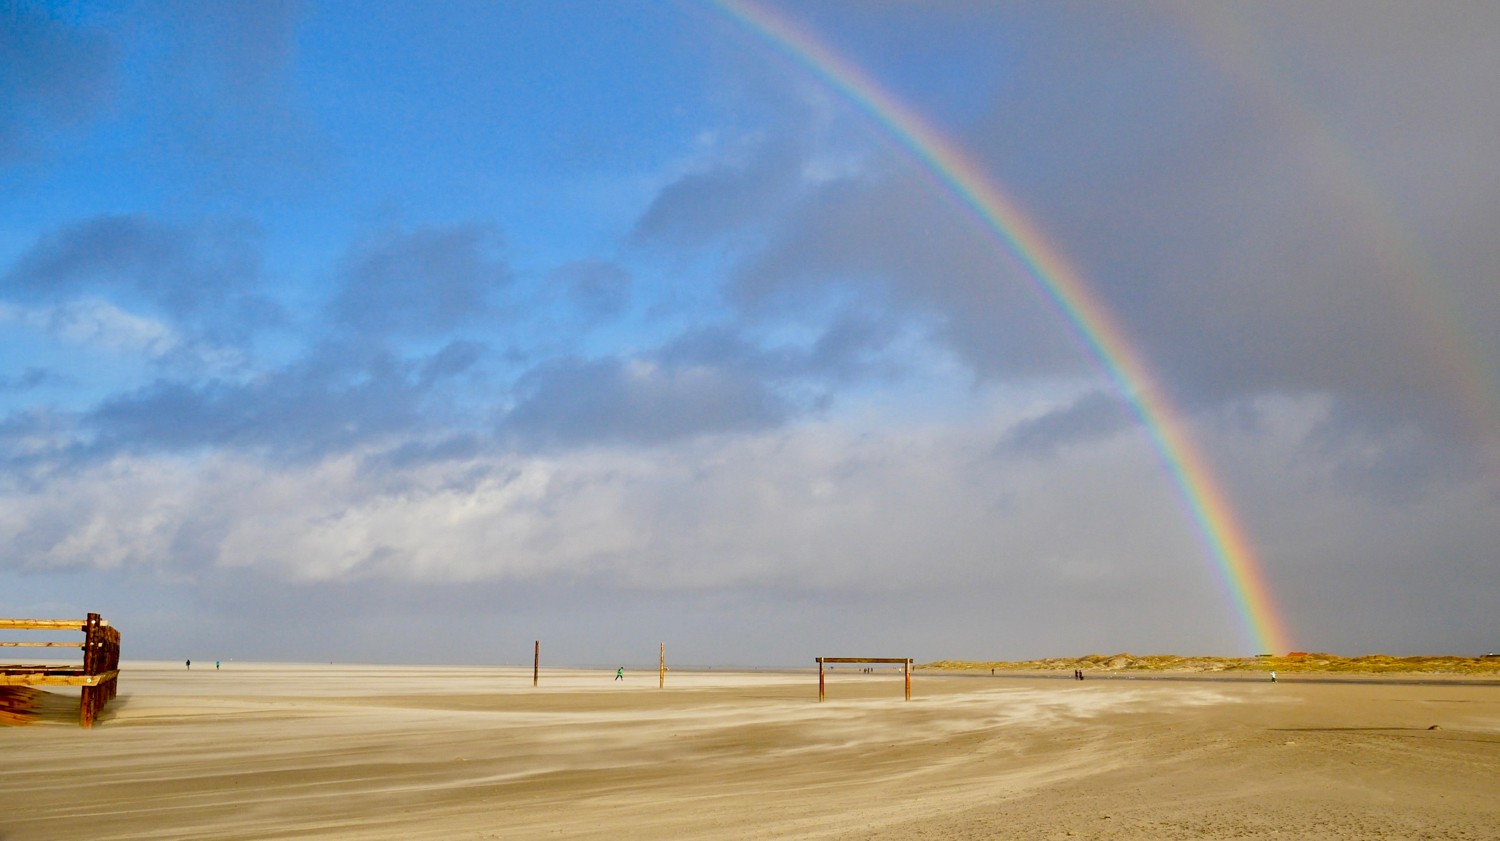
98	673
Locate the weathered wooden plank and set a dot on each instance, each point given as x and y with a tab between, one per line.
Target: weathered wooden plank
41	645
864	659
46	669
42	624
56	678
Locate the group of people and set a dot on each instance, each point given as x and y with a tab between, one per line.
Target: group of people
1078	674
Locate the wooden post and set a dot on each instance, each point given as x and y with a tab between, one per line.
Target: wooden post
88	699
661	669
820	680
906	668
536	662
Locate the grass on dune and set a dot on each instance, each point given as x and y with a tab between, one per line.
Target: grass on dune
1293	663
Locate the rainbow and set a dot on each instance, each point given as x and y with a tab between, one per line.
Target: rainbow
1230	548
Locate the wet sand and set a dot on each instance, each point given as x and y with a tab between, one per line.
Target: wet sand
278	751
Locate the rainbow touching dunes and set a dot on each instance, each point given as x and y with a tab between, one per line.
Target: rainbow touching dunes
1020	239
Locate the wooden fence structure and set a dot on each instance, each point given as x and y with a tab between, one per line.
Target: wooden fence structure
97	675
904	661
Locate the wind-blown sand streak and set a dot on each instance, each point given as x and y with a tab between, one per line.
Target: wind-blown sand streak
254	752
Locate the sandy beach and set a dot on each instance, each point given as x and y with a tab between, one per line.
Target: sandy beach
281	751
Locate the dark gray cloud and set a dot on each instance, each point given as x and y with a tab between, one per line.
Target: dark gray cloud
894	244
287	422
54	74
202	276
455	358
709	380
184	269
878	239
32	377
334	399
1093	416
1242	221
35	438
1228	185
599	288
229	105
422	282
854	345
723	198
458	447
580	402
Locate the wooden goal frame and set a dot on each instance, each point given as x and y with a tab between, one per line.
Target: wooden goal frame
904	661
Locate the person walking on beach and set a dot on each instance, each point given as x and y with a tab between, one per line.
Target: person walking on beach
620	673
190	664
1273	677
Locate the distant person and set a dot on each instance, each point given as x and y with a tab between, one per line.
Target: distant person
1273	677
620	673
216	665
190	664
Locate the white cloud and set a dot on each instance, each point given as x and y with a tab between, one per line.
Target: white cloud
106	328
1090	543
820	506
93	321
97	323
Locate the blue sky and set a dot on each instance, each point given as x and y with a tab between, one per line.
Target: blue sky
396	332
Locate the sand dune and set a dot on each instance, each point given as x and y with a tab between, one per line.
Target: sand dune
256	752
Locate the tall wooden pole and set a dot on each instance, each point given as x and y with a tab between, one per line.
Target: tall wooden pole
661	668
820	680
536	662
906	668
88	700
